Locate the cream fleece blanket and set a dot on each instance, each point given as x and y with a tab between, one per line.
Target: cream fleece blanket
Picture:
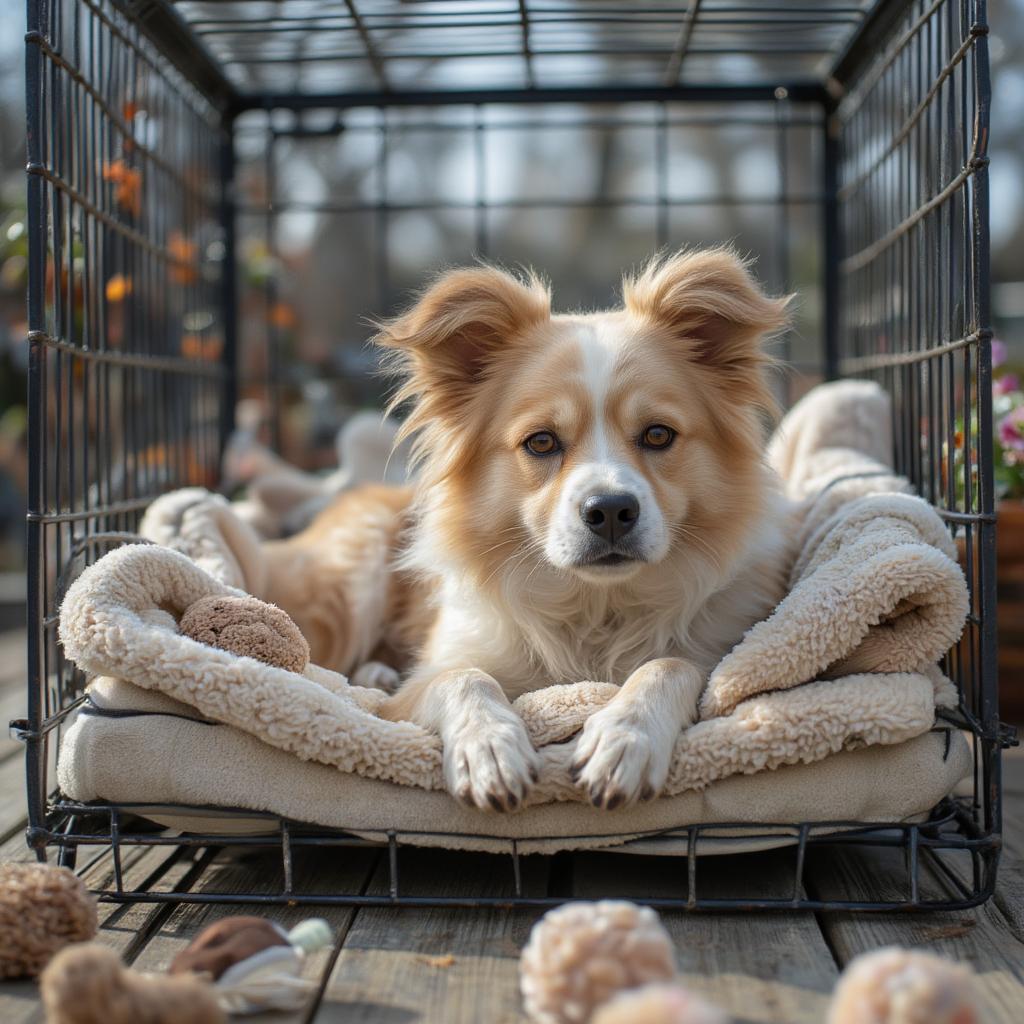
875	584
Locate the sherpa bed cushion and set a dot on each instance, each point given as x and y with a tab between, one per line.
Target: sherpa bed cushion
875	579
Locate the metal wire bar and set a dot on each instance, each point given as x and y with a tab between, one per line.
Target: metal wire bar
369	48
122	409
123	185
675	62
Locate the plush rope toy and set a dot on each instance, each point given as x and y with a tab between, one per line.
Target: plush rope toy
88	984
238	965
248	627
42	909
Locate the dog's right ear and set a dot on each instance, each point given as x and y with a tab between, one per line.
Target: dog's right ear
460	325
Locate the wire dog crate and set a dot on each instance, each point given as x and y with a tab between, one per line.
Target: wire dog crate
161	134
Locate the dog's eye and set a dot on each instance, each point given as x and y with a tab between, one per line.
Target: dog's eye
657	436
541	443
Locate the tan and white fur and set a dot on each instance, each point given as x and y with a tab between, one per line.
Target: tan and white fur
592	503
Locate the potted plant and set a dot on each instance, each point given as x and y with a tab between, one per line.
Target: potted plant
1008	473
1008	442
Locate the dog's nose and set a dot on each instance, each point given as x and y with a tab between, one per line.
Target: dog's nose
610	516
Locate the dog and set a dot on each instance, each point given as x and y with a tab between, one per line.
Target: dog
591	502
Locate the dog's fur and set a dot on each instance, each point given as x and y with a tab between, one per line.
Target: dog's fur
483	579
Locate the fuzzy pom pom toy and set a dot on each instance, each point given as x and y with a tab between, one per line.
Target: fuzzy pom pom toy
42	909
249	628
88	984
580	955
903	986
658	1004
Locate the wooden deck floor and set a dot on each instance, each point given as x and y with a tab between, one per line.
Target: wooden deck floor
391	966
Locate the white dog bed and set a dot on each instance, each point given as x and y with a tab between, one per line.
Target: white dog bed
875	582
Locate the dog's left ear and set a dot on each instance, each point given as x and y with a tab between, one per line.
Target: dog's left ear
712	303
461	323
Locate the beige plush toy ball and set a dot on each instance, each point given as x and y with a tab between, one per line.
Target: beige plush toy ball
42	909
582	954
901	986
249	628
658	1004
88	984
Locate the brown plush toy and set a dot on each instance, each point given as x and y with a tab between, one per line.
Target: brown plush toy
88	984
42	909
249	628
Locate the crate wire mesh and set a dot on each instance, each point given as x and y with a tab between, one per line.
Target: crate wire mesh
147	118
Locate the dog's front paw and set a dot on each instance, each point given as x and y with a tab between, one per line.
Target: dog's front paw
619	759
491	763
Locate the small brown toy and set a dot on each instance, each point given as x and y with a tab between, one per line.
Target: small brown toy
253	964
658	1004
226	943
88	984
582	954
903	986
247	627
42	909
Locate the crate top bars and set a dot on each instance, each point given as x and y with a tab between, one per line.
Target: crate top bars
298	54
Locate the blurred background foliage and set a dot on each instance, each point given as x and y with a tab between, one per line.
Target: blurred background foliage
328	258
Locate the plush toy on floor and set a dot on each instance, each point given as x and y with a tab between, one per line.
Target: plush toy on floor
254	964
903	986
247	627
237	965
613	963
582	954
42	909
88	984
658	1004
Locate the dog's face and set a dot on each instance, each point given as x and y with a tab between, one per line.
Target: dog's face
595	444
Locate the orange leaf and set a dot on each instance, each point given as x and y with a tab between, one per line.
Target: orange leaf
118	288
194	346
127	185
183	254
282	316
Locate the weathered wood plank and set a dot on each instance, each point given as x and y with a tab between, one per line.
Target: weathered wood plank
457	966
766	967
984	937
13	659
12	705
119	926
12	795
255	871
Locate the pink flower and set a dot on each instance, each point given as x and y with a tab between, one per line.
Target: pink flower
1011	429
1006	384
998	350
